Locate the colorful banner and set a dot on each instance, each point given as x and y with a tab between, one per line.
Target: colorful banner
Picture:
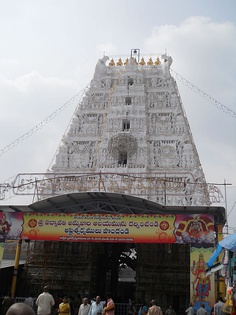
4	230
202	288
2	244
10	225
129	228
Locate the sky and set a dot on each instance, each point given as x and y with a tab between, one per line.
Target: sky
48	53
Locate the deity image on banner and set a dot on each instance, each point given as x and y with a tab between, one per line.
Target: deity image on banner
4	227
197	229
201	283
10	225
202	286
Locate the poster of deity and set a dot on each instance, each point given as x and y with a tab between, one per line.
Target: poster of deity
201	285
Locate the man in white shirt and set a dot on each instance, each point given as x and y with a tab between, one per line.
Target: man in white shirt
96	307
45	301
190	310
84	307
202	310
218	307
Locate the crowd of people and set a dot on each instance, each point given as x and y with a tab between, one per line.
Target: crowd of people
46	304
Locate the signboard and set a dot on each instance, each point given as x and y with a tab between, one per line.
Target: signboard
126	228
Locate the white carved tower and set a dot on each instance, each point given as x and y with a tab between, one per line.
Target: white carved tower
130	135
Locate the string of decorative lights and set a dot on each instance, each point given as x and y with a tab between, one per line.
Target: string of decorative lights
43	123
203	94
75	176
29	186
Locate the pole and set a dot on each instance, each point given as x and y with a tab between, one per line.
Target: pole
220	280
227	225
16	265
165	190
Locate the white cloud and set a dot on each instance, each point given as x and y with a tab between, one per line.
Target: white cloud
199	47
33	81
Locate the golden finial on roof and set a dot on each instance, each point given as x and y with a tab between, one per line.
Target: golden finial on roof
112	63
157	62
119	62
126	62
150	62
135	61
142	62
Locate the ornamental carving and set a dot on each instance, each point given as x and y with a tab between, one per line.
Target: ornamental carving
90	118
122	143
80	146
167	150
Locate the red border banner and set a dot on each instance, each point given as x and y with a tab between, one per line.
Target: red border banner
129	228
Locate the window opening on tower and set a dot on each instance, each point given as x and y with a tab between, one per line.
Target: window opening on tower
126	125
122	158
130	81
128	100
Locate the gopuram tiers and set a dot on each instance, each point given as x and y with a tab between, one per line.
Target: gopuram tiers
130	135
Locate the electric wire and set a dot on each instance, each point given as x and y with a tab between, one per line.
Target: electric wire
231	208
203	94
42	124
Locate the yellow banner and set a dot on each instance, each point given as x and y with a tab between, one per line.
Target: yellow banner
148	228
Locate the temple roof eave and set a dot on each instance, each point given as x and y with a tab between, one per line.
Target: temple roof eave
95	202
104	202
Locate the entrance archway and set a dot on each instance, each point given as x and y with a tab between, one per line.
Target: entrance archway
84	265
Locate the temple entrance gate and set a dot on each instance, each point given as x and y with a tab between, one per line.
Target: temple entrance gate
90	264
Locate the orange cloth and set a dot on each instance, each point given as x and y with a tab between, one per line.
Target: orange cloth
110	308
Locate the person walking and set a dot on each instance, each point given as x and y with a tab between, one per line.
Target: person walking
109	309
202	310
84	307
154	309
64	307
218	307
44	302
170	311
96	307
143	309
190	310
